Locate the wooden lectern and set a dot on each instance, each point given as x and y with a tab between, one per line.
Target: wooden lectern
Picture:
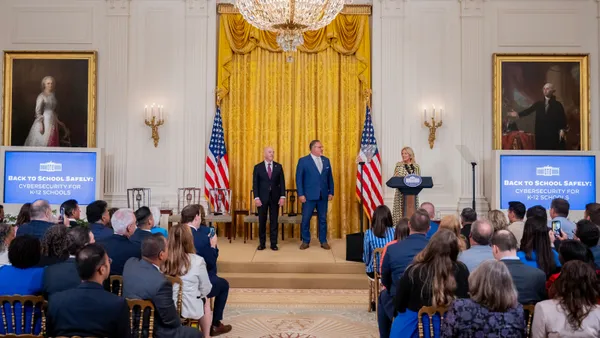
409	193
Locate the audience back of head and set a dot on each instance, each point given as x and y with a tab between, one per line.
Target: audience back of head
154	248
430	208
181	245
382	219
577	290
54	242
90	260
497	219
40	210
482	231
574	250
143	216
592	212
505	241
419	221
539	212
517	210
24	252
77	238
95	210
69	208
189	213
497	296
24	216
588	233
7	233
559	208
536	239
121	220
402	231
468	215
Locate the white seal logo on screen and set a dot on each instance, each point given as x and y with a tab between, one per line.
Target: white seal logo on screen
547	171
412	180
50	167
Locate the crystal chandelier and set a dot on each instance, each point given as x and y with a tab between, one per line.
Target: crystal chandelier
289	18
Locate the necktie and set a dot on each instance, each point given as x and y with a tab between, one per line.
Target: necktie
319	164
269	172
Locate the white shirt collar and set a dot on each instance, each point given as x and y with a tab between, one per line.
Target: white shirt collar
156	266
192	226
315	158
71	256
510	258
145	230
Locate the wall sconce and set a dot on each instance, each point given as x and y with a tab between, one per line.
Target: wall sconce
433	120
154	118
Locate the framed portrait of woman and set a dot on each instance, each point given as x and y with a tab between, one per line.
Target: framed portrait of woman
49	98
541	101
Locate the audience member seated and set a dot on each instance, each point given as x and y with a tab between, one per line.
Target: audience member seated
559	211
497	219
41	220
111	212
451	222
88	310
400	232
24	216
183	262
481	235
536	248
145	222
592	213
380	233
574	311
570	250
117	246
589	234
63	276
537	211
435	278
98	218
467	217
142	279
71	211
54	246
529	281
395	261
492	311
156	229
7	234
433	226
206	247
21	277
516	213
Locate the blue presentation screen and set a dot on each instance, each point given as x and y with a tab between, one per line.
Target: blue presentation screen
538	179
53	176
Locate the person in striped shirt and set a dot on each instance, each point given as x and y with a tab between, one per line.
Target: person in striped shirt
381	232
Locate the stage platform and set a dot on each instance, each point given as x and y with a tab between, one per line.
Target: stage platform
289	267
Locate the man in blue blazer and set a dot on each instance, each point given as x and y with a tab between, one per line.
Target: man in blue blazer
41	220
314	181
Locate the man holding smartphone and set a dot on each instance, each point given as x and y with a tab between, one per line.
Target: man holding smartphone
559	210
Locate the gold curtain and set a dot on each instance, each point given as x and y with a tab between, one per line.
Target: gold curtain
286	100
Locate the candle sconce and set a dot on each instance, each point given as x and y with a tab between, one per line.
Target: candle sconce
154	118
433	120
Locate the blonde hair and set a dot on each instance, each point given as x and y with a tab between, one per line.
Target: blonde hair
410	152
497	296
498	220
181	244
452	223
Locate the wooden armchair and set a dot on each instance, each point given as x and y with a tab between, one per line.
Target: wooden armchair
177	280
21	325
291	211
187	196
118	281
430	311
375	284
138	197
528	309
143	305
219	210
251	218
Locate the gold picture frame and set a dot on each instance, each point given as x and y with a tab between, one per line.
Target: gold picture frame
518	94
50	98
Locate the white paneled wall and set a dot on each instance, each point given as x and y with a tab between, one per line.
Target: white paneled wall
424	52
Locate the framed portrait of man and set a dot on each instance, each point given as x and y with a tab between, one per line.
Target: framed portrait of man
49	99
541	101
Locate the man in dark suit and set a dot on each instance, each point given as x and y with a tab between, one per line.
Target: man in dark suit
118	246
142	279
550	120
145	222
314	181
529	281
467	217
88	310
268	184
98	217
64	276
205	243
397	258
41	220
71	212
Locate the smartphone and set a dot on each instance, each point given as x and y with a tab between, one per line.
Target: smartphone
212	232
556	228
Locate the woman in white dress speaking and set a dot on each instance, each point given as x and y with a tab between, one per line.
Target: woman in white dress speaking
45	129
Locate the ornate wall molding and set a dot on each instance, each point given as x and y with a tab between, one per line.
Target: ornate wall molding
348	9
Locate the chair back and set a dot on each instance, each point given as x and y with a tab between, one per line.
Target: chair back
177	280
187	196
21	325
252	209
219	201
292	206
118	281
143	305
430	311
138	197
528	310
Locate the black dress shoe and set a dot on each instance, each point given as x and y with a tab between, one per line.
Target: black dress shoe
274	247
261	247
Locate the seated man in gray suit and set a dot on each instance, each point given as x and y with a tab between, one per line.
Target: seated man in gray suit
529	281
142	279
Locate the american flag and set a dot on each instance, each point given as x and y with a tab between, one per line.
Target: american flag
217	165
371	180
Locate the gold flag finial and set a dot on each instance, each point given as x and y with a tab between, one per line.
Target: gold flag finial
367	94
218	96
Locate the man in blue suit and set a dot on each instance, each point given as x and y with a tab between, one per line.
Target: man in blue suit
314	181
41	220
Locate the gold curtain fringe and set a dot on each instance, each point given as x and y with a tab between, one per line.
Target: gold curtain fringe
348	9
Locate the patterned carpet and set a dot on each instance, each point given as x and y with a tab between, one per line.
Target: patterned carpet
291	313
